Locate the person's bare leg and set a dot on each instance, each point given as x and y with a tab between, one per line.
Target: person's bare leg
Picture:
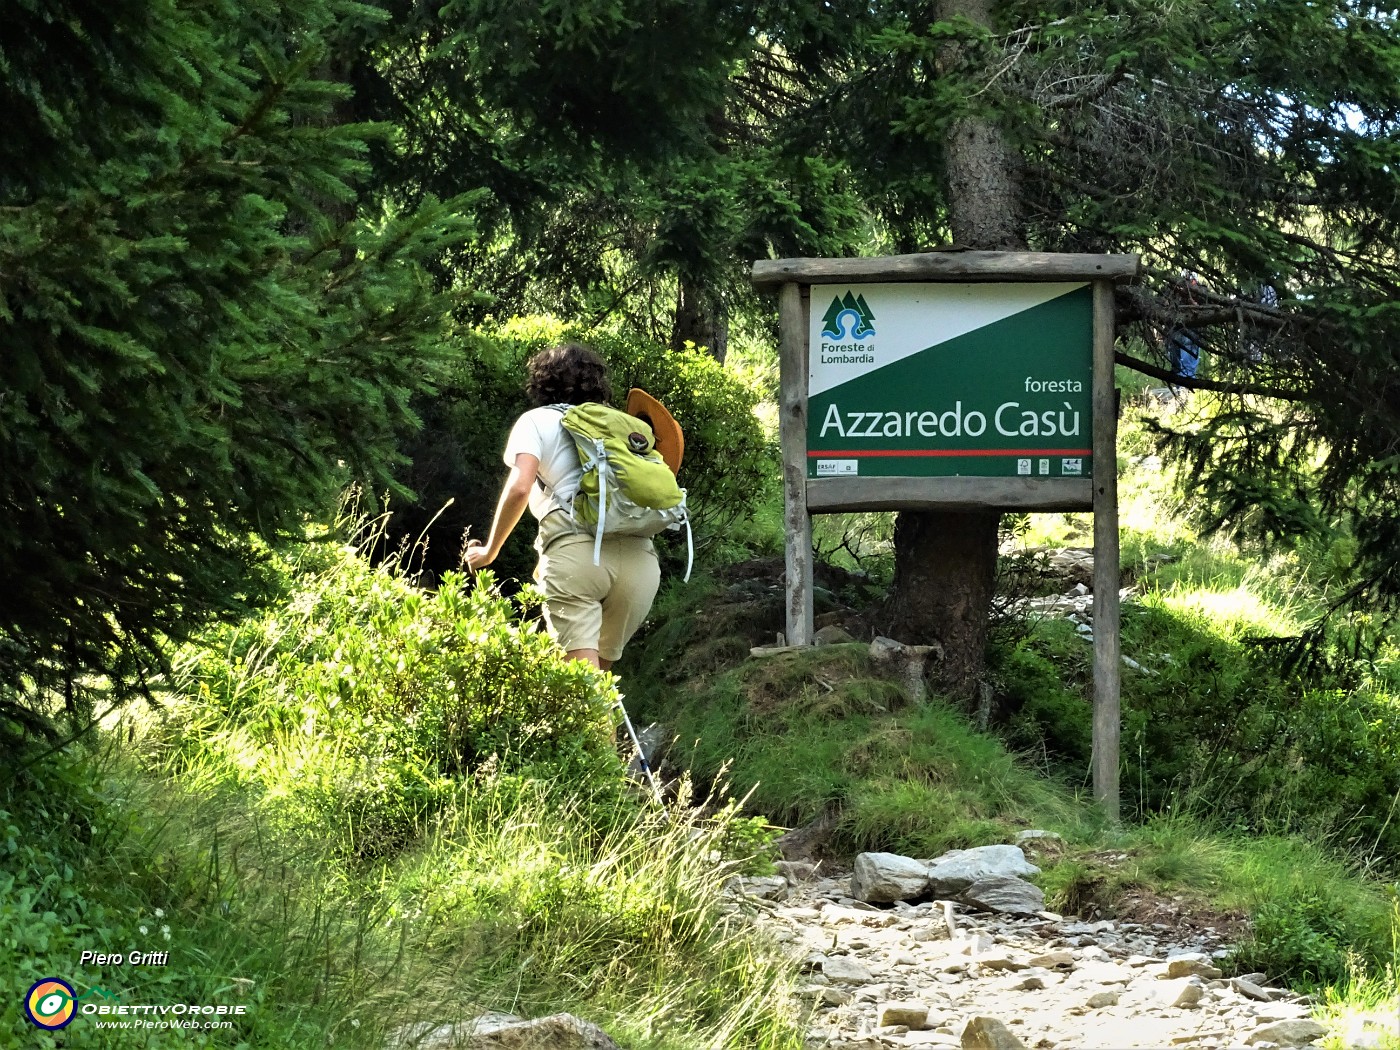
591	655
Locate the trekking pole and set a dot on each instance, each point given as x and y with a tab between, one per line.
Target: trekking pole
641	754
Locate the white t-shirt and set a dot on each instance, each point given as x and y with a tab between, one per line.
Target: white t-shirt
540	432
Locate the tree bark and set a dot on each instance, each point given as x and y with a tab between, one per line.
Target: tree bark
701	319
945	563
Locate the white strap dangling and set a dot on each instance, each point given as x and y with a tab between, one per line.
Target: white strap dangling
602	502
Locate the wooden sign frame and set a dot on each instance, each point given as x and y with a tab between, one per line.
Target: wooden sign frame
803	496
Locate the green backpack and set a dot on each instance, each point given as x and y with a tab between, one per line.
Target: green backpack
627	488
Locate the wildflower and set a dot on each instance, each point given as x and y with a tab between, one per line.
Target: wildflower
354	1022
160	913
143	930
165	932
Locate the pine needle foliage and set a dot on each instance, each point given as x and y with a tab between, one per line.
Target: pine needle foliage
206	331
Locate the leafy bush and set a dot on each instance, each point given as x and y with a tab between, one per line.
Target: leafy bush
1212	723
49	819
360	705
1299	939
729	461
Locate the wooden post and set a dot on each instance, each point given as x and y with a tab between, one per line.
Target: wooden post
1107	668
792	428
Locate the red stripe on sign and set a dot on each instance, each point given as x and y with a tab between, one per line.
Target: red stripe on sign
832	454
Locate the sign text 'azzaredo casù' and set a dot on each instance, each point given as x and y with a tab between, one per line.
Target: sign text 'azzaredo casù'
934	380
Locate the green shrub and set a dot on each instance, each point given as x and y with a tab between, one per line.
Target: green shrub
1041	678
1301	939
50	819
359	705
1212	723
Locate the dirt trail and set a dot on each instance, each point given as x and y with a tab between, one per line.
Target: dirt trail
923	975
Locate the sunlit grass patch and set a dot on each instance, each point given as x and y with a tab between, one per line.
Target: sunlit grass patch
1364	1010
1232	613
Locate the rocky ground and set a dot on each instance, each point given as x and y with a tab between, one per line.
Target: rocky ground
940	974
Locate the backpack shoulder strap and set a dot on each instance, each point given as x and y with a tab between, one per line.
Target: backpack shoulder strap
561	407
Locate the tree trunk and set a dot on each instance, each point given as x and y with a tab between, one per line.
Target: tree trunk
945	563
701	319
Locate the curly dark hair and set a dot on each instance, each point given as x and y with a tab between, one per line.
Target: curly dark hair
570	373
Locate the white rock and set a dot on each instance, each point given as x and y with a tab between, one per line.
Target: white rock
1005	894
1182	992
974	942
956	870
1195	964
910	1014
1052	960
1298	1032
846	970
987	1033
812	963
1103	973
1099	1000
873	993
763	887
879	878
825	995
1277	1011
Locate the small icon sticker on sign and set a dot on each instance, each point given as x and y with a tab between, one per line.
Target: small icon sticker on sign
1023	466
1072	468
1045	466
838	468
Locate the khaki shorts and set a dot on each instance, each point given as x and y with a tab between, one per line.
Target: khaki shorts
591	606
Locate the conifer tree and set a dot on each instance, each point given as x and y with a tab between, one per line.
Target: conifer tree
198	350
1252	143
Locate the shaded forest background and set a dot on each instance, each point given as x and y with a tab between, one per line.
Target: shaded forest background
248	248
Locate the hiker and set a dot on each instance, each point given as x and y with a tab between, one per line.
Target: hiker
591	610
1183	343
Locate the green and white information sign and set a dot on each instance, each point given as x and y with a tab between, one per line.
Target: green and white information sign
941	380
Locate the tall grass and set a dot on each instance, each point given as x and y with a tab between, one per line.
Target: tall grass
376	806
512	900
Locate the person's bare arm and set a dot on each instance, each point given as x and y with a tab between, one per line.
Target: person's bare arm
515	497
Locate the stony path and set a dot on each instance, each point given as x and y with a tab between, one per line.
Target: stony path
936	974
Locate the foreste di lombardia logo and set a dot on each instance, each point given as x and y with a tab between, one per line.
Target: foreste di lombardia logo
848	316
